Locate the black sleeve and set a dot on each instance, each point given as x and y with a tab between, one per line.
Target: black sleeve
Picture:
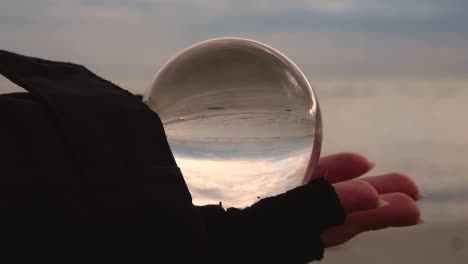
117	196
89	175
280	229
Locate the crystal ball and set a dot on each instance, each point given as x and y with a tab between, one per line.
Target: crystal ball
241	119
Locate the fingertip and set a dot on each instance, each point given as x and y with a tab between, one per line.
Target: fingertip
357	195
394	183
419	196
342	166
412	189
359	162
382	203
403	209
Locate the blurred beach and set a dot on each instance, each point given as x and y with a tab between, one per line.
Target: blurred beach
414	127
417	128
390	76
431	243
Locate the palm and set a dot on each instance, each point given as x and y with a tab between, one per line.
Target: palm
371	203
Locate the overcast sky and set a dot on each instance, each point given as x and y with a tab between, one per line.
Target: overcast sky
128	41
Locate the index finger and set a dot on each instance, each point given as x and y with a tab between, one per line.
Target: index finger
340	167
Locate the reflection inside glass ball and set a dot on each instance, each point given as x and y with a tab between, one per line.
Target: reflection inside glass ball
241	119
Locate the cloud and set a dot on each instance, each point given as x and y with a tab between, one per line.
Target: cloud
128	41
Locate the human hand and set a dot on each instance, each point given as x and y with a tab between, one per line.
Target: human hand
371	203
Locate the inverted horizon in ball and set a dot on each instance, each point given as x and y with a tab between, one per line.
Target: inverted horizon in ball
241	119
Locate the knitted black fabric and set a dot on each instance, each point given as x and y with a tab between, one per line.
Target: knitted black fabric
280	229
87	176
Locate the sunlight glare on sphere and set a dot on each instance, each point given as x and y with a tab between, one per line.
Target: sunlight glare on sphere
241	119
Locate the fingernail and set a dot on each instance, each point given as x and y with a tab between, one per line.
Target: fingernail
371	165
382	203
419	196
420	221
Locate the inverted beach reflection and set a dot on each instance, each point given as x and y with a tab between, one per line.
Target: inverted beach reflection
241	119
237	159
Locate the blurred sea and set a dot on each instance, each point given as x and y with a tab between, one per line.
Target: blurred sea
418	128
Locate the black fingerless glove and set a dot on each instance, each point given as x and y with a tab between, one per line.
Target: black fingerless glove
127	200
280	229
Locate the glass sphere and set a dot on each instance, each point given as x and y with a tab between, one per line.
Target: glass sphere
241	119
